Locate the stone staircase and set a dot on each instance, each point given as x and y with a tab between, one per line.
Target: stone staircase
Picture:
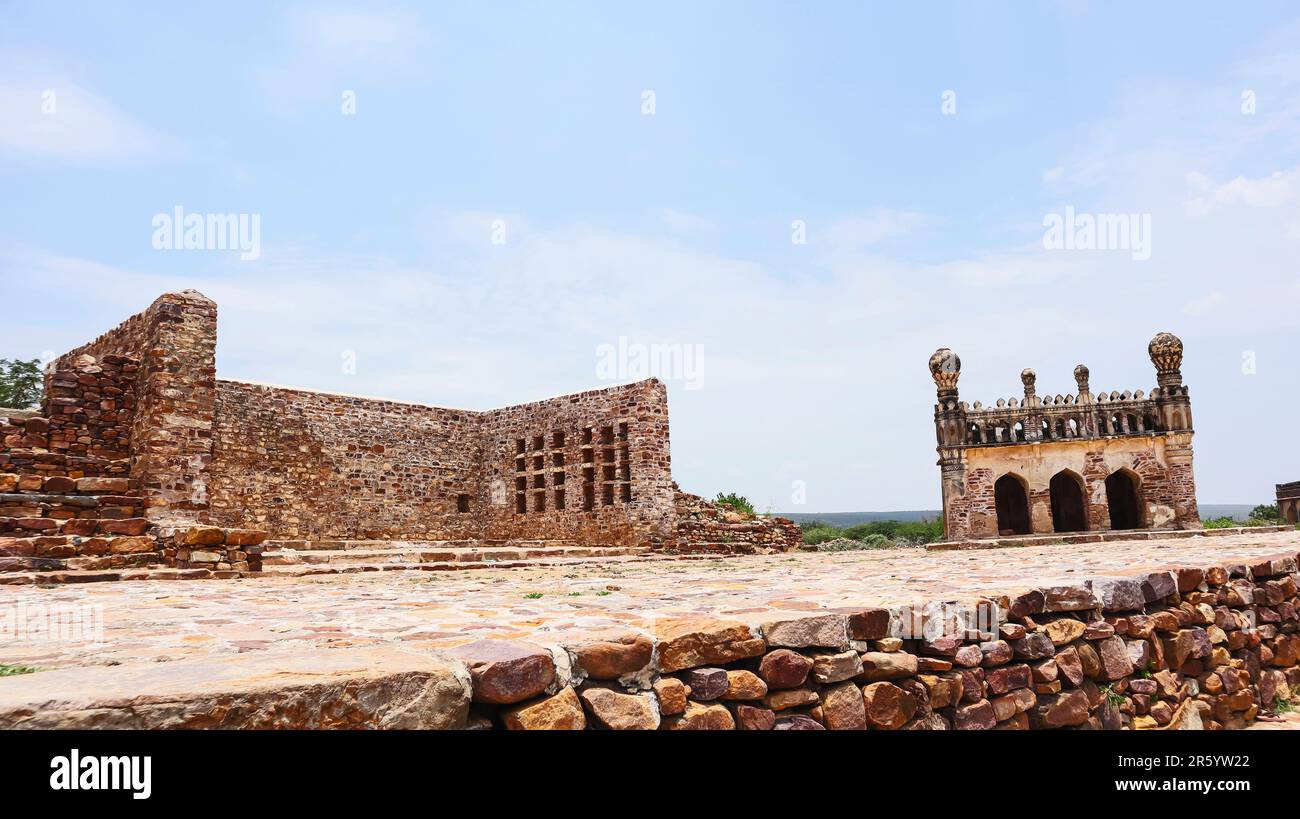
298	557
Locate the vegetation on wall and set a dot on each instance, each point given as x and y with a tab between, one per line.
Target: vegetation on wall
21	383
878	534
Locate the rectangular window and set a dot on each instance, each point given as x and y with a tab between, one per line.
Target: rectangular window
462	503
557	440
559	499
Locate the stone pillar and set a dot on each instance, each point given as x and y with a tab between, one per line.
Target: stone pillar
1032	420
171	439
1174	406
950	435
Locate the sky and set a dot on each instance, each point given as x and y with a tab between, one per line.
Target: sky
471	205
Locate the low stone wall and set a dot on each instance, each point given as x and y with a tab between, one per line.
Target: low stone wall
704	526
1185	647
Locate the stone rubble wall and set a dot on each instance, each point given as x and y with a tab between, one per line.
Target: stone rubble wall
705	526
84	426
311	465
1194	647
1190	647
607	449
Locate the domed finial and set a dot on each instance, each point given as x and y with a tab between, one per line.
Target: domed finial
1166	351
945	368
1081	377
1028	377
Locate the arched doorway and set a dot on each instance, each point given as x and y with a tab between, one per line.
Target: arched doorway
1124	500
1012	505
1069	514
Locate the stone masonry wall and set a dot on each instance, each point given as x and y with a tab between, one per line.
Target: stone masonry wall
317	465
174	341
1166	489
1192	647
84	427
592	467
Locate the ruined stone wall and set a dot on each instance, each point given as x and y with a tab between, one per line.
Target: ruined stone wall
174	342
1166	488
705	526
1186	648
84	426
592	467
318	465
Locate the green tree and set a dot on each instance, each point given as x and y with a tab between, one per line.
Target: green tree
21	383
738	503
1265	511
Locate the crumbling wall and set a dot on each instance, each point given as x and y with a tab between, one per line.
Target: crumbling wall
704	526
318	465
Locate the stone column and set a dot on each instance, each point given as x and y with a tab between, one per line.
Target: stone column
171	439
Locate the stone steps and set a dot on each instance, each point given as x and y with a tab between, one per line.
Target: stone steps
33	505
85	563
110	575
402	554
52	552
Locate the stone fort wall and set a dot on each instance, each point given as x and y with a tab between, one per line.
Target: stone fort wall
592	467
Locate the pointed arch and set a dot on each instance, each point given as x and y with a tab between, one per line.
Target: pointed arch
1069	504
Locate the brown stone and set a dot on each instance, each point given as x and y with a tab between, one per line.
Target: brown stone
790	698
784	668
880	665
888	707
976	716
820	631
1035	646
1007	678
869	624
701	717
671	693
1060	711
750	718
844	708
123	526
1114	659
202	536
561	712
506	672
744	685
620	712
1064	631
696	641
609	655
944	689
833	668
706	684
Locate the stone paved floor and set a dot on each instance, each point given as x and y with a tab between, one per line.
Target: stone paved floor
165	620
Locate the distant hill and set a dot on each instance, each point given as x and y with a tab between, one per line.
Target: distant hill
1237	511
843	519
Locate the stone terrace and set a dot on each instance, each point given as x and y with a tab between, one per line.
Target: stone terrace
168	620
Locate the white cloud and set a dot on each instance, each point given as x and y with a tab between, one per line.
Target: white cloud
684	222
874	228
1203	305
335	48
51	117
1272	191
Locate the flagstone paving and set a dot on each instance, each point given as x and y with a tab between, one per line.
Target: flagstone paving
167	620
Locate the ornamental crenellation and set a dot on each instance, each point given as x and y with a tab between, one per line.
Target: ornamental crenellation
1067	463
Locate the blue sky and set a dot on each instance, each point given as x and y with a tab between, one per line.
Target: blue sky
924	228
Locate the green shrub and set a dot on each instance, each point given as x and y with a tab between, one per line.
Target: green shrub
820	534
1224	522
1267	512
738	503
21	383
860	544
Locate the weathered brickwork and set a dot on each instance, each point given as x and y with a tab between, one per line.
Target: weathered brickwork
704	526
312	465
589	468
1073	463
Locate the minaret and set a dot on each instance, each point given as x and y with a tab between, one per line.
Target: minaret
1089	414
1033	426
1174	408
950	430
1173	404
